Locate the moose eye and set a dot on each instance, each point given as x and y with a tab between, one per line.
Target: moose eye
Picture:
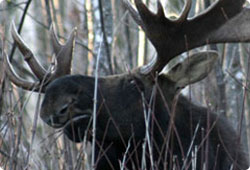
66	106
63	110
137	84
178	88
133	82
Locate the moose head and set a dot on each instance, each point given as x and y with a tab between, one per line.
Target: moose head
145	102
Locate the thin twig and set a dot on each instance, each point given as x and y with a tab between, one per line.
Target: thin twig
237	81
105	37
147	116
34	127
95	105
14	5
47	7
122	164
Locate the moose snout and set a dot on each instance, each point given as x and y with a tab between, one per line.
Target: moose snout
49	120
46	119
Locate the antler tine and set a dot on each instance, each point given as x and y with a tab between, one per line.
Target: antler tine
63	53
160	10
146	15
64	56
29	57
17	80
133	13
55	42
217	24
185	12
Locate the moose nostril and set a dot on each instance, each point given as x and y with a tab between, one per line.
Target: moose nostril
47	120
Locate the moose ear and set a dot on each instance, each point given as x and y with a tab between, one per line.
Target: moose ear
191	69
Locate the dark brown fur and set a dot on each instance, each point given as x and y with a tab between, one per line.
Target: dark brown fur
120	120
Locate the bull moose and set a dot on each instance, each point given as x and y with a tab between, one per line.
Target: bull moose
141	115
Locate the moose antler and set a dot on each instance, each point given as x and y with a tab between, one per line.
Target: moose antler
63	53
224	21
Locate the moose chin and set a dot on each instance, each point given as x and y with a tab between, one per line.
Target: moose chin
144	108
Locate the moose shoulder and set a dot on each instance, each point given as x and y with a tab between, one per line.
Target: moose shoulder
145	103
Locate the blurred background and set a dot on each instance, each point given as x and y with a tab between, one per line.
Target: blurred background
28	143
